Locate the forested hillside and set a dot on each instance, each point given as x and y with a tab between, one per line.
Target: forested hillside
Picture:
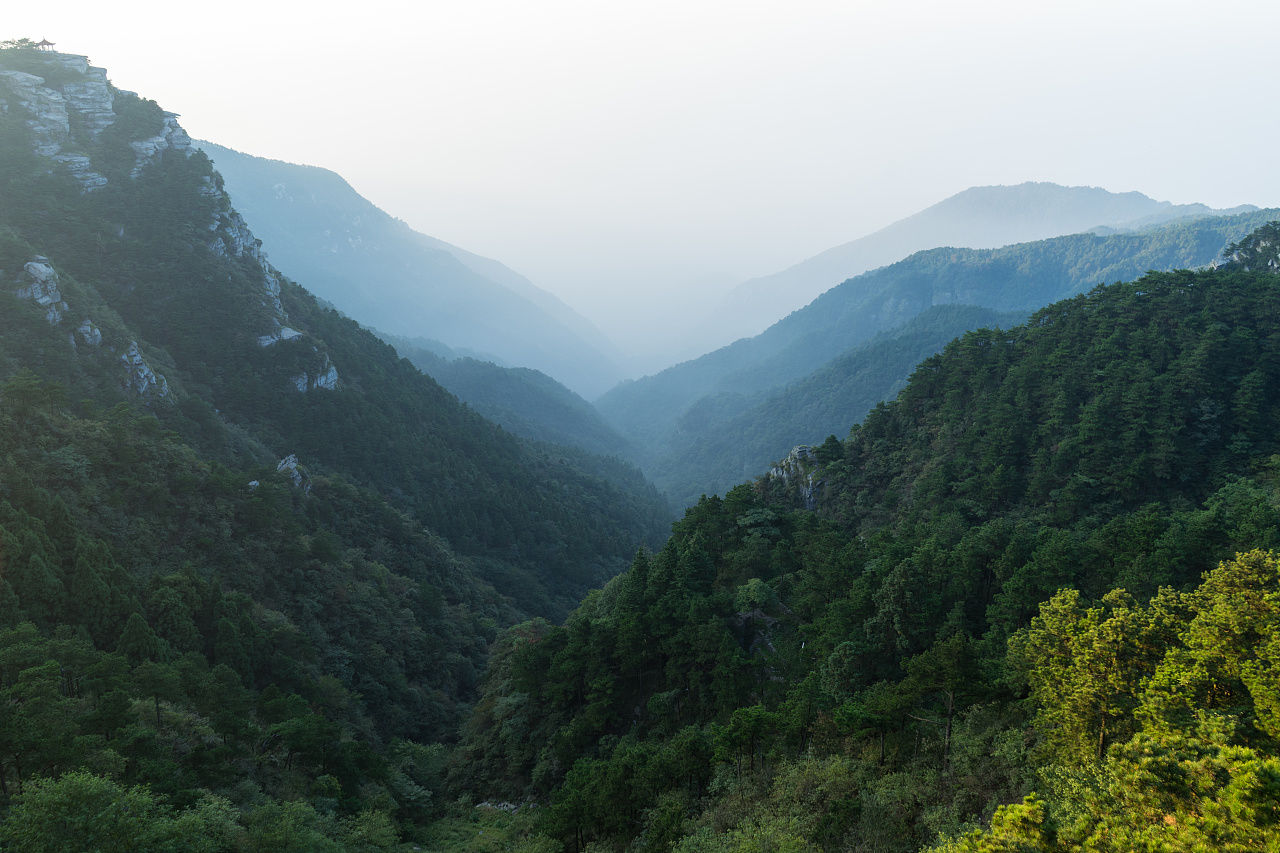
729	438
252	560
685	406
264	586
871	645
526	402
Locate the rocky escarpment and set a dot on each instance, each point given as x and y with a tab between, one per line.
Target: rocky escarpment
171	137
64	119
68	107
798	473
233	239
40	283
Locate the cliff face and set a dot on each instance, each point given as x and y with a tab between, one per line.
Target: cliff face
70	105
74	120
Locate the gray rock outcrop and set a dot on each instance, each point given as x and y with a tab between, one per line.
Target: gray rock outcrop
89	333
797	472
172	137
290	467
39	283
139	375
49	109
70	108
326	378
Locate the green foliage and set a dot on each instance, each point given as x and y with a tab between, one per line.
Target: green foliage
1084	667
1257	250
178	619
1196	770
209	654
716	420
1118	441
722	439
81	811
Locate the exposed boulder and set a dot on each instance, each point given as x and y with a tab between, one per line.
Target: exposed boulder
39	283
89	333
296	473
172	137
140	377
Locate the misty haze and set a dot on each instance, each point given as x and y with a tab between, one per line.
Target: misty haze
569	428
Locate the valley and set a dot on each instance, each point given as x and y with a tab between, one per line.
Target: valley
319	533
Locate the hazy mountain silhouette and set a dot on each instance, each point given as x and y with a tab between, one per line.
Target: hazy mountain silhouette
381	272
977	218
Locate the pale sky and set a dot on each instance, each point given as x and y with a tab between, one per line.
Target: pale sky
630	156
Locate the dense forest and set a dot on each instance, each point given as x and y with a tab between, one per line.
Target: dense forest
252	560
1003	587
852	346
729	437
265	586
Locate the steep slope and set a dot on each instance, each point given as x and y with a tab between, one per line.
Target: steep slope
523	401
837	657
977	218
181	269
1015	278
250	555
727	438
384	274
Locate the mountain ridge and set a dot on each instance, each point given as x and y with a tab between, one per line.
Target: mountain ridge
524	401
976	218
1017	278
386	275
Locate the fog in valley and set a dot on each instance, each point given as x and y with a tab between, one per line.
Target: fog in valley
642	160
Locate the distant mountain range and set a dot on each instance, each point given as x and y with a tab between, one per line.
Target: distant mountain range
977	218
382	273
818	370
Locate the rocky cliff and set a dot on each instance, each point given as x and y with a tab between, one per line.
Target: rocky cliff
75	125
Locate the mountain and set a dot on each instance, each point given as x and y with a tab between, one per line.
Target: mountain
728	438
1020	278
385	275
253	560
1037	581
977	218
526	402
